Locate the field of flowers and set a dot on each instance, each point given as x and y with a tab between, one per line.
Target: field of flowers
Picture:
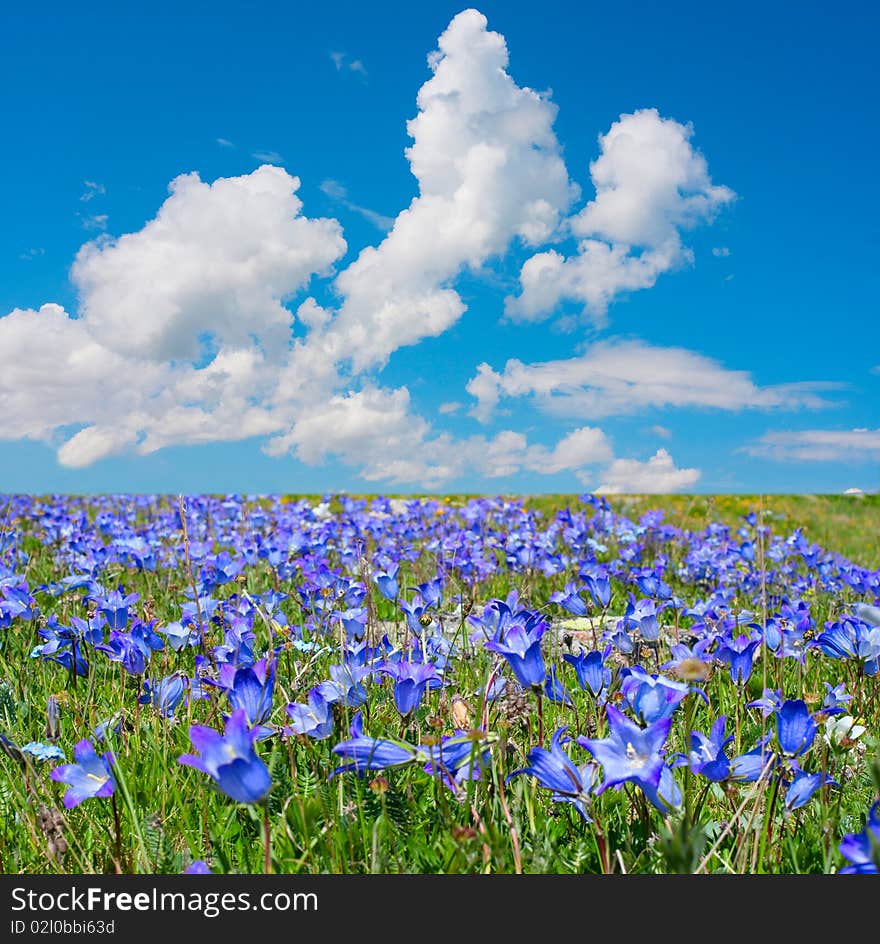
251	684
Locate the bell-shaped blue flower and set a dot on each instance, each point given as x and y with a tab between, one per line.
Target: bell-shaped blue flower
522	650
229	759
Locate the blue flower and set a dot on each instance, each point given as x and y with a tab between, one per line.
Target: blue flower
599	588
114	607
315	719
367	753
554	690
862	850
570	599
836	699
522	649
229	759
707	755
344	685
250	688
651	697
738	652
803	786
43	751
556	771
387	583
592	673
795	728
630	753
410	681
198	867
90	776
852	639
166	693
770	702
457	758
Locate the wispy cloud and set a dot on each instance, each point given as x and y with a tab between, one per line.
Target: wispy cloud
660	431
93	189
338	193
29	254
268	157
224	142
95	221
343	63
617	377
721	252
453	406
818	445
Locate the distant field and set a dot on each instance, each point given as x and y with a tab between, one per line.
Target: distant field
847	524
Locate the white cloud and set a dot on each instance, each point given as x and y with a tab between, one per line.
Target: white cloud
650	185
224	142
618	377
357	66
721	252
452	406
656	476
55	375
338	59
661	431
218	261
489	170
818	445
33	253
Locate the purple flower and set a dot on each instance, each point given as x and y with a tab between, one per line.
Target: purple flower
229	759
90	776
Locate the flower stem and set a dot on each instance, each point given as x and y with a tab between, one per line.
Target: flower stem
267	841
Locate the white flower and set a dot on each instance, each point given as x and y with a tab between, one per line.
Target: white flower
836	729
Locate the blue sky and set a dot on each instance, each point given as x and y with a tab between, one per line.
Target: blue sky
633	248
